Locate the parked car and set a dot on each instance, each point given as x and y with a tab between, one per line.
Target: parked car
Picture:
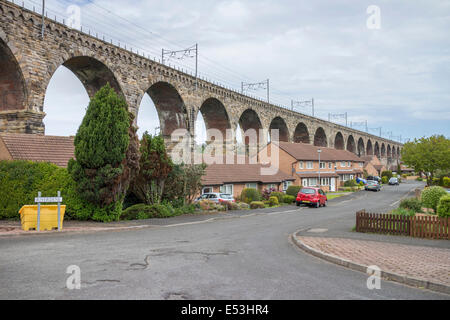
374	178
311	196
216	197
372	185
394	181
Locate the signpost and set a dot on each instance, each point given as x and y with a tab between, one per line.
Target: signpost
58	199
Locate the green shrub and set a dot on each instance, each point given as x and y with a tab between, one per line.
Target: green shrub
411	204
243	206
143	211
257	205
273	201
385	179
289	199
387	173
293	190
278	195
20	182
446	182
419	179
404	176
350	183
443	208
403	212
431	196
249	195
361	184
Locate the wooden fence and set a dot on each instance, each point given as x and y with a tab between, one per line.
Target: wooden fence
430	227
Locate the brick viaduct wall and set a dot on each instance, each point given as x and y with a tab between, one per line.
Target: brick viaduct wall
27	63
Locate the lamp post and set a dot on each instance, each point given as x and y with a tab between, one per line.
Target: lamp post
319	151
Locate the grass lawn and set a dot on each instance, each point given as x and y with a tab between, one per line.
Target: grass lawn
333	196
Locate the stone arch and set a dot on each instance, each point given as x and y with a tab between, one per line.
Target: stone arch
361	148
339	141
320	138
389	154
351	145
301	133
383	150
92	73
369	148
170	106
249	121
280	124
13	93
215	115
377	149
398	152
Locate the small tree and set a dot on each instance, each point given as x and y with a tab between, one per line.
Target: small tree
387	173
427	155
155	166
102	144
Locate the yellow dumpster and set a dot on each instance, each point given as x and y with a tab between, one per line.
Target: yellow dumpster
49	217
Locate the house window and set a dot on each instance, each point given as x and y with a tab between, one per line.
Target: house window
251	185
227	188
343	164
348	164
300	165
361	164
207	190
271	186
312	182
309	165
330	165
322	165
325	181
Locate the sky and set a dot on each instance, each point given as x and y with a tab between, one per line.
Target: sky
396	76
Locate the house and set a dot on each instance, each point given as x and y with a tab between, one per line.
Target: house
38	148
301	161
373	165
233	178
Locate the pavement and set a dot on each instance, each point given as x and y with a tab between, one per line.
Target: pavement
235	255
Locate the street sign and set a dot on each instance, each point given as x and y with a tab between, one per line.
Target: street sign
47	199
40	200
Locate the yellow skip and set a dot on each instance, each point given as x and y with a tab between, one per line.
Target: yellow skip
49	217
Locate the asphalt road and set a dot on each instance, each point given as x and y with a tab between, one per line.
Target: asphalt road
247	257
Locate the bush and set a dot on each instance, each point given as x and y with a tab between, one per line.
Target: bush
411	204
404	176
257	205
361	184
243	206
446	182
387	173
443	208
289	199
249	195
144	211
278	195
267	192
419	179
385	179
404	212
273	201
350	183
431	196
207	205
293	190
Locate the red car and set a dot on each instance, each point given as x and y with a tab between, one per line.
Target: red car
311	196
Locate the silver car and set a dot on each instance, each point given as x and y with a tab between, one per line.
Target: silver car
216	197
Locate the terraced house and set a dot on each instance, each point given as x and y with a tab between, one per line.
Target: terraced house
301	161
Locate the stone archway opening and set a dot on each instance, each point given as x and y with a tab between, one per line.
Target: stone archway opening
383	150
351	145
250	124
215	117
12	83
339	141
369	149
279	124
361	148
389	154
301	134
320	138
377	149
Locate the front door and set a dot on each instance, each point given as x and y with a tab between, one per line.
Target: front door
332	184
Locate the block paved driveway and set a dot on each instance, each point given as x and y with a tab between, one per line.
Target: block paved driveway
233	257
430	264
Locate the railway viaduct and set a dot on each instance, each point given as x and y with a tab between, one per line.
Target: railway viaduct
27	63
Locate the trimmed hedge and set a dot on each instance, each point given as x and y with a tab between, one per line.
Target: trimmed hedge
289	199
273	201
278	195
143	211
293	190
443	208
20	182
257	205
